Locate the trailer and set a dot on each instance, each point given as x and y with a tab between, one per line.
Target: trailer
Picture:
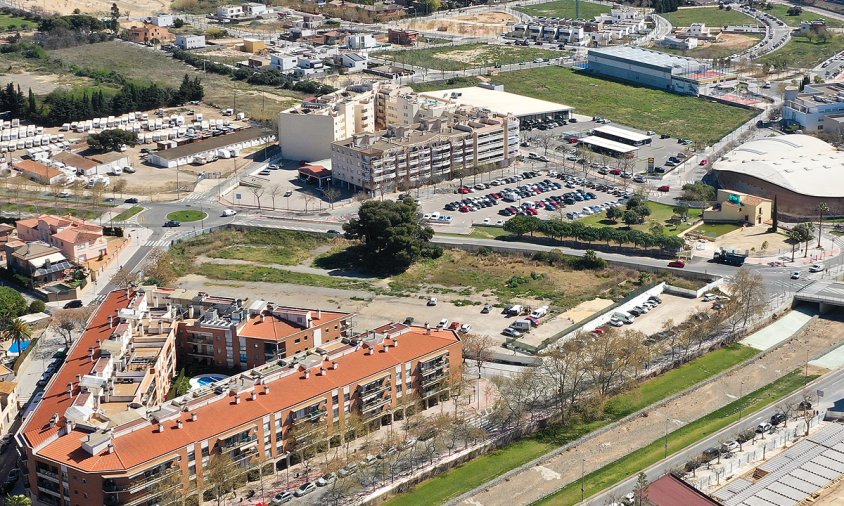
729	258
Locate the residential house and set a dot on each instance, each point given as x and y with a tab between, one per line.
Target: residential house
350	63
7	233
37	261
150	33
254	9
737	207
163	20
8	405
809	107
361	41
254	45
403	37
78	240
678	43
186	42
698	31
229	11
38	172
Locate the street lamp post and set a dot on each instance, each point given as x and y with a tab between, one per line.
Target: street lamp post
741	401
666	439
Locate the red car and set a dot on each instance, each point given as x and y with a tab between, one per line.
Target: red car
454	326
615	172
664	188
677	263
572	139
703	162
463	190
599	331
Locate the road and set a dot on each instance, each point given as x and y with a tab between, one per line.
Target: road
831	384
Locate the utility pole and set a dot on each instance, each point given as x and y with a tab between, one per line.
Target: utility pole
741	401
666	439
582	485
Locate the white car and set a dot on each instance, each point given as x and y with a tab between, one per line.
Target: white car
465	328
816	268
432	301
443	323
229	212
707	297
795	275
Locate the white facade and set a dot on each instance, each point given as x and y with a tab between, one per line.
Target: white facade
361	41
255	9
809	107
351	62
186	42
229	11
284	62
163	20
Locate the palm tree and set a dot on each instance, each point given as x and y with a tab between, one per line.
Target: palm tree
823	209
795	238
17	330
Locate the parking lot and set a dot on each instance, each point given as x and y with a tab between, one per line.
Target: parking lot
673	308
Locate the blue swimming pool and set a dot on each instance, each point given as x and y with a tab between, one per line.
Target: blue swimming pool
17	350
206	379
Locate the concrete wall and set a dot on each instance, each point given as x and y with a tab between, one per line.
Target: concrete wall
305	136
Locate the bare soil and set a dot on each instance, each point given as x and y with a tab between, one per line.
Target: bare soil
40	84
487	24
127	7
598	451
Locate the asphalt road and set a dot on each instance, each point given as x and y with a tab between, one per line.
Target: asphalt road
833	389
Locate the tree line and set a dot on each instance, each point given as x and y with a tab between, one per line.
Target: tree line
266	78
66	106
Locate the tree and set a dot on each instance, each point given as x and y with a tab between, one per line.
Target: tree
823	209
158	268
807	233
178	23
640	490
182	384
275	191
429	6
112	140
477	347
66	321
219	476
521	225
37	306
123	278
774	212
565	367
16	330
698	192
119	187
331	194
631	217
391	235
18	500
115	15
748	290
257	192
12	304
795	237
614	214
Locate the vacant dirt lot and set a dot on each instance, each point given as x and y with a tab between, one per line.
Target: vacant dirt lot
40	84
487	24
601	450
127	7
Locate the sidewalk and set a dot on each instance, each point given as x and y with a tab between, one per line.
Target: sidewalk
137	237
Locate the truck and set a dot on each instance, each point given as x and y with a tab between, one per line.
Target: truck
729	258
521	325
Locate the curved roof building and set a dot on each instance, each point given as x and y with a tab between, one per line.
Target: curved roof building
800	170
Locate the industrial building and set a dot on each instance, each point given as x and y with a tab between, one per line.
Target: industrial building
187	153
609	147
494	98
621	135
799	170
809	108
104	432
663	71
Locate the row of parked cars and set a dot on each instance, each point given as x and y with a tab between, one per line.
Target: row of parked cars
470	204
621	318
463	190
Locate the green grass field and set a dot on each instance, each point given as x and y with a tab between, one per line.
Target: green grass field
565	9
711	16
800	52
9	23
468	56
781	11
187	216
679	439
716	229
478	471
660	213
627	104
270	275
128	213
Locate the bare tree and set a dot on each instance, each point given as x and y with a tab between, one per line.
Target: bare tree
158	266
308	198
611	359
806	408
331	194
258	192
477	347
119	187
67	321
565	367
219	477
275	191
748	290
123	278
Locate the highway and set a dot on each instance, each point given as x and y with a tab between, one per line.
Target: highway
832	386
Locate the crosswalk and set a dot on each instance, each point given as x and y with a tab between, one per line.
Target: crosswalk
160	243
194	197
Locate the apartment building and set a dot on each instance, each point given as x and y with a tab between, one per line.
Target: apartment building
239	337
8	405
405	155
126	456
77	240
809	107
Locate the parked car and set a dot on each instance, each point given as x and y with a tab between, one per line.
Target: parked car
172	223
432	301
677	263
710	453
729	446
229	212
511	332
73	304
816	268
305	489
664	188
777	418
465	328
703	162
764	427
708	297
282	497
443	323
131	200
486	309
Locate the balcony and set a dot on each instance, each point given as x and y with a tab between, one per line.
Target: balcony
310	416
432	379
372	407
238	444
44	473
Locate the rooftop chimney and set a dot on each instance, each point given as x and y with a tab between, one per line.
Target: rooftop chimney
371	350
386	347
78	377
193	416
323	371
266	389
253	395
395	342
307	373
237	398
70	389
334	365
179	423
111	448
160	427
111	321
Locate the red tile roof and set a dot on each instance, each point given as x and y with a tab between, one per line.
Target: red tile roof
215	418
672	491
38	169
277	329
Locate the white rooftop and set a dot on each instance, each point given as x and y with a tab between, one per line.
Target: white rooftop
799	163
620	132
600	142
501	102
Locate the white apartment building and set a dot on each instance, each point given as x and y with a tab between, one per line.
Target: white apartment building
229	11
162	20
350	63
406	155
361	41
809	107
185	42
306	131
255	9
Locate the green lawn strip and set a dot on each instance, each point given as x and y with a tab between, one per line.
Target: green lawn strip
187	216
483	55
800	52
712	51
627	104
660	213
128	213
270	275
781	11
285	247
711	16
86	213
716	229
483	232
12	23
565	9
681	438
463	479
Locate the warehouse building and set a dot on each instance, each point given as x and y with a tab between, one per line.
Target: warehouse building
609	147
186	153
621	135
495	99
677	74
799	170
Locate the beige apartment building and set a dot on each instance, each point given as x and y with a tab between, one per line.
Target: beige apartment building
402	156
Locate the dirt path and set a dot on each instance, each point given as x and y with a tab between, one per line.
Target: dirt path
534	483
